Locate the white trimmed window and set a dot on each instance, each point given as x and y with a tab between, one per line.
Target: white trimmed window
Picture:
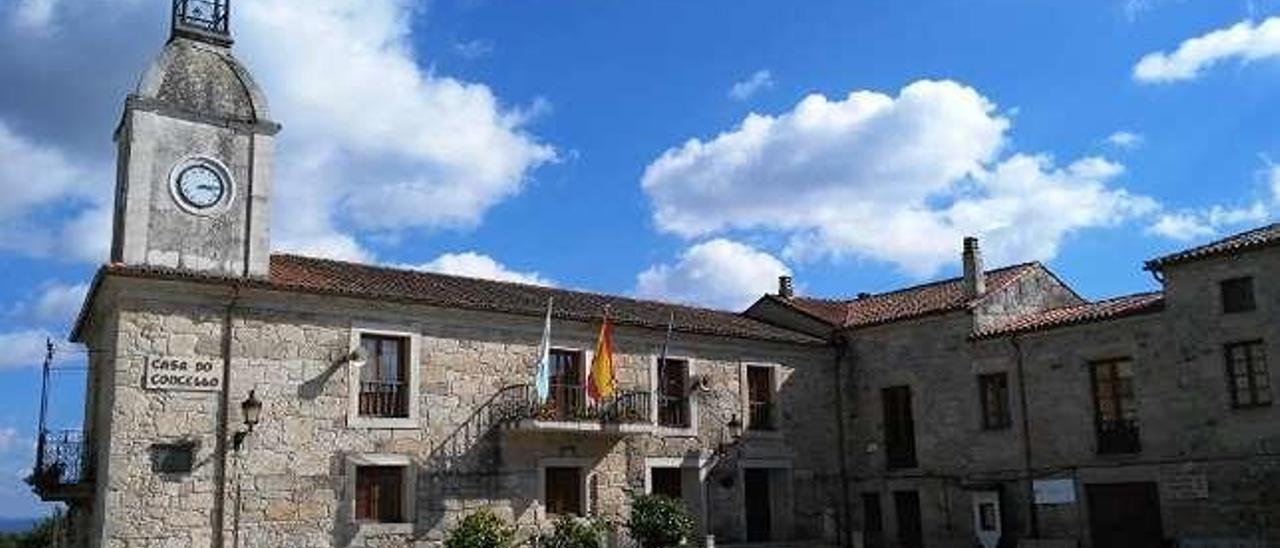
675	406
384	391
761	397
564	486
382	492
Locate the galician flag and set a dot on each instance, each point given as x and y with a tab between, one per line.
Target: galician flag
542	374
600	383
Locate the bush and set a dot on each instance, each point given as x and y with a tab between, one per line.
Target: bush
660	522
573	532
481	529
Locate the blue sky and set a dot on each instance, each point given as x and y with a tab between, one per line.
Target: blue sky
689	151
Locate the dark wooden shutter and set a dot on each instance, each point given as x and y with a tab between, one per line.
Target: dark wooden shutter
899	427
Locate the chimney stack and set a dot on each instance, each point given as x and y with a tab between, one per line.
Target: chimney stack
975	278
786	287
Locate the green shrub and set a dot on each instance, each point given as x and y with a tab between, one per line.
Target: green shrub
660	522
481	529
574	532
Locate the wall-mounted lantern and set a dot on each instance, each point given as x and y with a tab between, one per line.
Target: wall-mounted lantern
251	408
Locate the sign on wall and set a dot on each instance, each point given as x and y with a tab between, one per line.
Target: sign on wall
182	374
1055	491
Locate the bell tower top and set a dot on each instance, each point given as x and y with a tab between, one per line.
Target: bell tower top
203	20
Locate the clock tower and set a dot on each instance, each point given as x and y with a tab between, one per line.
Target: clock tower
195	148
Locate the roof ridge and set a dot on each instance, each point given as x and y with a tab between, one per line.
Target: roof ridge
922	285
1242	239
432	274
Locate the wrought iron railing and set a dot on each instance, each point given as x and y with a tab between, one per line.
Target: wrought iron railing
673	411
520	402
62	459
1118	436
760	416
202	15
384	399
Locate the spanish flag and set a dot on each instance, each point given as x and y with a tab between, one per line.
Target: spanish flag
601	381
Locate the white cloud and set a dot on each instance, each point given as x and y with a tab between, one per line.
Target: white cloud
1275	184
473	49
898	179
758	81
10	438
476	265
718	273
376	141
38	181
397	145
56	304
1126	140
1246	41
36	15
23	349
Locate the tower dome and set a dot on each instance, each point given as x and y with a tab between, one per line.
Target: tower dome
202	78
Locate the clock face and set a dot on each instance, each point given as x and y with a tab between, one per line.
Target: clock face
200	187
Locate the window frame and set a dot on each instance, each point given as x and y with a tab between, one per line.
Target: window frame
1003	415
691	403
890	459
1117	402
408	495
1249	297
774	427
1252	375
413	378
584	366
585	476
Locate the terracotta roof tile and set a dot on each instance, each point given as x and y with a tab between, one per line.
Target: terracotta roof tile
1258	237
329	277
1109	309
903	304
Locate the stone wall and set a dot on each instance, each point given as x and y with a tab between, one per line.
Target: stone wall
289	485
1188	429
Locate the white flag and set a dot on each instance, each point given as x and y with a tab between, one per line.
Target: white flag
542	375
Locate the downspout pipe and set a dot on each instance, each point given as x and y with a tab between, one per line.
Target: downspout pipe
841	344
1032	512
224	421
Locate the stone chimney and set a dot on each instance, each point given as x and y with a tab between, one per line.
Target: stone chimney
786	287
975	278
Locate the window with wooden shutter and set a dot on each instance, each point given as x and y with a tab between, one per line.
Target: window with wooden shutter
673	396
1250	382
384	380
899	427
760	406
1115	406
993	389
1237	295
563	490
380	494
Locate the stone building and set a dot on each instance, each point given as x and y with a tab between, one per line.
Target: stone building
996	407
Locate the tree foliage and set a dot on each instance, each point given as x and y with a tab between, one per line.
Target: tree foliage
481	529
660	522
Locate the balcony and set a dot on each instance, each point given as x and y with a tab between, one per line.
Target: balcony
569	410
1118	437
64	469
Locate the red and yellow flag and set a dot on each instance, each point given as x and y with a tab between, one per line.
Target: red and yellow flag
601	381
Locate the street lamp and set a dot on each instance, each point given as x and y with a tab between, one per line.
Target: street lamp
251	408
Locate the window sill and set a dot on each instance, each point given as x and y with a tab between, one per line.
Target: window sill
374	528
398	423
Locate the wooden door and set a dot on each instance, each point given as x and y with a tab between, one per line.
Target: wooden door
759	506
1124	515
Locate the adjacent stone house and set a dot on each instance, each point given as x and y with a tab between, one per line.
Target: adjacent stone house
241	398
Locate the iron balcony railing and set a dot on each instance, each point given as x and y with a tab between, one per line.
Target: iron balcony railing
520	402
1118	437
62	460
384	399
673	411
760	416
